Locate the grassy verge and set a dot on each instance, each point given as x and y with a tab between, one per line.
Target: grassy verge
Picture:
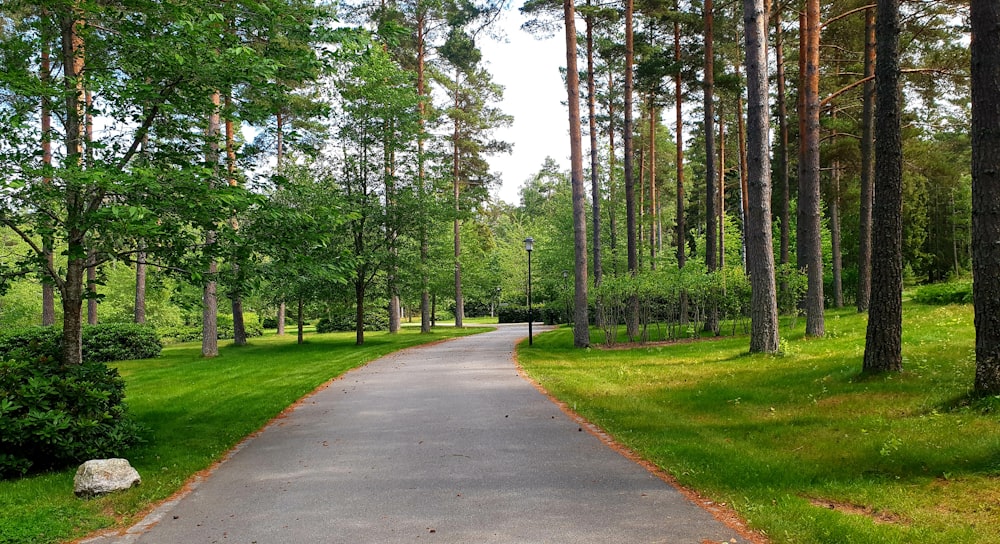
194	410
801	445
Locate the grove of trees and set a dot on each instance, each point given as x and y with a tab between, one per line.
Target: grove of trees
283	154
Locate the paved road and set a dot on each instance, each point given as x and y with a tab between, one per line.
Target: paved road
442	444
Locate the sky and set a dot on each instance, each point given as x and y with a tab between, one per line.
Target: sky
534	94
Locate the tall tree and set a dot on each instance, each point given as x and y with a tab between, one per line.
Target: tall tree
809	231
632	313
581	321
760	252
985	17
883	341
781	154
867	166
711	192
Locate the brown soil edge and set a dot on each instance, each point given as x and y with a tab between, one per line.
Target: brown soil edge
719	511
151	515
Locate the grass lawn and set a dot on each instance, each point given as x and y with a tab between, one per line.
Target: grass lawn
194	410
801	445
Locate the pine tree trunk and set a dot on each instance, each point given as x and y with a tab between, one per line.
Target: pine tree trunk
581	321
652	183
711	194
838	288
883	342
425	280
760	252
612	186
681	234
867	168
782	152
809	224
632	309
985	16
91	289
595	177
459	301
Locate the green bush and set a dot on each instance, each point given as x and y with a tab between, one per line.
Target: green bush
375	320
955	292
53	416
101	343
516	314
251	322
120	342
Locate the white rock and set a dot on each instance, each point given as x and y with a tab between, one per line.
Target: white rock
101	476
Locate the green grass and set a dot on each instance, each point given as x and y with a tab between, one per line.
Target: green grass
194	410
801	445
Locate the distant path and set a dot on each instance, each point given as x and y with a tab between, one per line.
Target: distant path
444	443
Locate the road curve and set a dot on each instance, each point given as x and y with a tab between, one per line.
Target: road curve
444	443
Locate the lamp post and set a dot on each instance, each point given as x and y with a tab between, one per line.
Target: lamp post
529	244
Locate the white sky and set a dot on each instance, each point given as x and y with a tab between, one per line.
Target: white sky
534	94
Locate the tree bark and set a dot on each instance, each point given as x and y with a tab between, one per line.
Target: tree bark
883	341
459	301
838	289
782	154
91	289
139	309
282	309
239	327
652	182
425	279
711	195
760	252
301	322
867	168
581	321
45	74
632	310
595	178
985	16
72	289
359	308
612	186
809	224
722	192
679	123
210	303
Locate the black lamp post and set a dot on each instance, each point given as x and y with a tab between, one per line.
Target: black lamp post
529	244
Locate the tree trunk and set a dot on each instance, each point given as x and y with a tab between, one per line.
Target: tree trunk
679	122
612	192
359	309
867	168
711	195
652	183
838	288
722	192
782	154
883	342
140	288
45	73
425	279
91	289
760	252
595	178
301	322
632	310
581	321
459	301
281	317
239	327
210	311
210	303
809	224
72	289
985	16
741	143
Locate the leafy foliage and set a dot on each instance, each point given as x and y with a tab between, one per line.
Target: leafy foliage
101	343
54	415
955	292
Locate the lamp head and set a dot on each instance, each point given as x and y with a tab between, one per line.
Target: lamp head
529	244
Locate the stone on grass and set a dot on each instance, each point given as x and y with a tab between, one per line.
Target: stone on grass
101	476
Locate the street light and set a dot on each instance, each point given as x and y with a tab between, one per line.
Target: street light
529	244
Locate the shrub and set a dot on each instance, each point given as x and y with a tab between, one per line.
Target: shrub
101	343
516	314
224	331
53	416
120	342
954	292
375	320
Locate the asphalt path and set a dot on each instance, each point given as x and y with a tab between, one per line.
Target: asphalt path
444	443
